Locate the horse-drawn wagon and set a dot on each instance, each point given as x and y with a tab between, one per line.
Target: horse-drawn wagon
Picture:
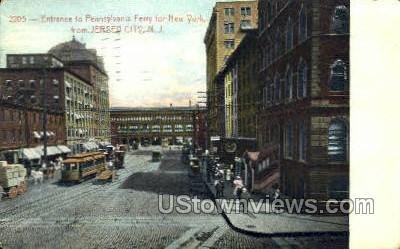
12	179
195	176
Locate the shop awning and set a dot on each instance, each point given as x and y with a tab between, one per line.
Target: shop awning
51	150
64	149
30	154
90	146
36	134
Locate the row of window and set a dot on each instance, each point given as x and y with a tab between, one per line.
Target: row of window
284	41
30	83
273	88
338	81
155	127
339	18
152	118
12	136
10	115
229	27
337	148
244	11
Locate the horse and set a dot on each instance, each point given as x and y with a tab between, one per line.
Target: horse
37	176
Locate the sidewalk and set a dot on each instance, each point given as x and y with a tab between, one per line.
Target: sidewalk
279	224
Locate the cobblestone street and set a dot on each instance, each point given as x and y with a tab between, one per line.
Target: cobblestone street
124	214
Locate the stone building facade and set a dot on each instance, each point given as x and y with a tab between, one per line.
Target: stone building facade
152	125
241	88
304	80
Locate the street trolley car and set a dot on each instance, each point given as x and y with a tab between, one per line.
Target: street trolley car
80	167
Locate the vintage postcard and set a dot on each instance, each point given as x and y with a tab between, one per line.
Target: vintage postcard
180	124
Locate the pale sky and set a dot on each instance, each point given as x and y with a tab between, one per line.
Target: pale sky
153	69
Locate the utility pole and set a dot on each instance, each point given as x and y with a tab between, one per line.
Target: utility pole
44	103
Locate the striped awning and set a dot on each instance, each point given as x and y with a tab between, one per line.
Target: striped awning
30	154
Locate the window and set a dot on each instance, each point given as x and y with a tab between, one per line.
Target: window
32	83
289	140
338	188
31	60
277	90
338	77
269	12
21	83
302	80
289	84
337	141
11	59
340	20
245	11
229	27
270	92
277	43
302	24
55	82
24	60
229	11
302	141
33	99
289	34
229	43
245	24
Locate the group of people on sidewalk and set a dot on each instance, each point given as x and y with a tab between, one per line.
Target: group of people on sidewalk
221	177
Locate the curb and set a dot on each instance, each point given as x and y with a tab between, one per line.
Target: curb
264	234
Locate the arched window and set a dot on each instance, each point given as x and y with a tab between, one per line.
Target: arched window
289	140
270	93
269	12
289	84
277	89
277	43
337	141
338	77
340	20
266	92
289	34
302	24
302	140
302	80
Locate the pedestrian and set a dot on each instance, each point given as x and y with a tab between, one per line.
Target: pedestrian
219	187
277	194
228	175
110	165
239	187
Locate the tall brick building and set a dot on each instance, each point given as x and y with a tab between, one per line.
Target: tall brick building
222	37
88	65
21	129
304	81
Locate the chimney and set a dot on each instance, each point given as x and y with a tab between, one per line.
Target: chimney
170	105
190	103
